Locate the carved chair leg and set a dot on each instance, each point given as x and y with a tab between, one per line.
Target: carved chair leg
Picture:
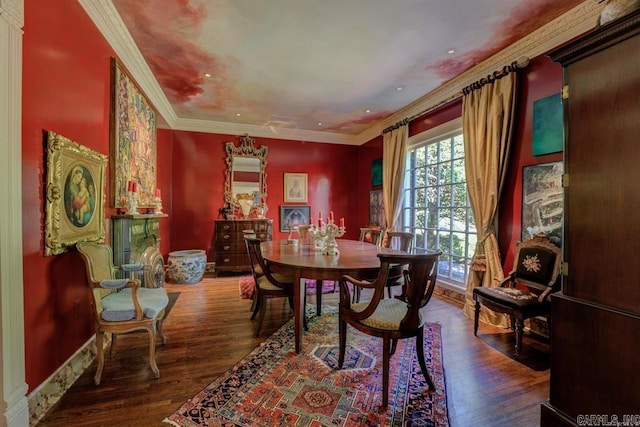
152	353
518	326
476	317
256	304
262	311
100	355
163	338
112	349
319	288
421	361
342	339
386	343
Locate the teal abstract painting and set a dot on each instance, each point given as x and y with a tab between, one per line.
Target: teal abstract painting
548	131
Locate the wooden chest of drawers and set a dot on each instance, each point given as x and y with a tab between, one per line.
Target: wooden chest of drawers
230	251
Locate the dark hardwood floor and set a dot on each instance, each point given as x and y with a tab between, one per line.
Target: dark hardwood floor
209	330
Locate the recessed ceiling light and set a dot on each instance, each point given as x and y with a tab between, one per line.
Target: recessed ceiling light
367	111
399	88
238	114
450	51
207	75
319	123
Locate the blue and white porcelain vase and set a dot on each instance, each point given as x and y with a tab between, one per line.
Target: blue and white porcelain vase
187	266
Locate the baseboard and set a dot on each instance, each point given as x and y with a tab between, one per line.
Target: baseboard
47	394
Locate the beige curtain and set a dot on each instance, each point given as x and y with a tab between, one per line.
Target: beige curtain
488	110
394	155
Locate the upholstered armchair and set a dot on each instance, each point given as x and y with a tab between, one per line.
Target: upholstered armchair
121	305
525	292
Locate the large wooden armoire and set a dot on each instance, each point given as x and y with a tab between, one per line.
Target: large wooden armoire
595	331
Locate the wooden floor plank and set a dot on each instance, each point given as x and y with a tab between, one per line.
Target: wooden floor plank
209	330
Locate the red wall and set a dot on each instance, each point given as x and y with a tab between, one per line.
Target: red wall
542	78
198	183
66	90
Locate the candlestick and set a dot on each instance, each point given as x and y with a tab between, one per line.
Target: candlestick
341	222
331	216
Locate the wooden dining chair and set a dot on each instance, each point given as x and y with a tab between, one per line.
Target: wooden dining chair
370	235
121	305
400	240
393	318
268	284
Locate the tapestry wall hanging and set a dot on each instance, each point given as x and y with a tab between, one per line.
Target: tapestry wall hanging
133	140
542	201
75	194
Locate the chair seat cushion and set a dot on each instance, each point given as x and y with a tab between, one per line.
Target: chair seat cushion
118	306
387	315
513	298
264	283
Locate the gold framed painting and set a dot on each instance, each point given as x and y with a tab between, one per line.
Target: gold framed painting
75	194
295	187
133	140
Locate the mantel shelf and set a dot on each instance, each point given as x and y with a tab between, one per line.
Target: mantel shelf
139	216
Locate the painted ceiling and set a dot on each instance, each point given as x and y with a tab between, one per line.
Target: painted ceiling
331	66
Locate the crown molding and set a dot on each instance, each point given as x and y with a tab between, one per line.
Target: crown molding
573	23
209	126
106	18
13	12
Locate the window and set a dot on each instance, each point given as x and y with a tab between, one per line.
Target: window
436	207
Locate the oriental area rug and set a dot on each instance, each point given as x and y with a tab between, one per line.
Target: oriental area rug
274	386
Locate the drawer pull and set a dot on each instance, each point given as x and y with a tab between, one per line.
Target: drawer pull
226	237
226	227
226	260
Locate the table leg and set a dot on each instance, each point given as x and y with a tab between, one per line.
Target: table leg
298	308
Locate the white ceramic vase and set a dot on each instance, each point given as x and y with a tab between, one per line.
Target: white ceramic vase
187	266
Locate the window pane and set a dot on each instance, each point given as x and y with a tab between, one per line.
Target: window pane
438	212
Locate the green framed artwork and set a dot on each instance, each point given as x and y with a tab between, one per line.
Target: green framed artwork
548	134
376	172
133	140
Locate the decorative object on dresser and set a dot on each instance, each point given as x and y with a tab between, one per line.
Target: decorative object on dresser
595	368
75	194
245	187
228	242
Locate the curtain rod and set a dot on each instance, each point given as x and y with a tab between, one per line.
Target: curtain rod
518	64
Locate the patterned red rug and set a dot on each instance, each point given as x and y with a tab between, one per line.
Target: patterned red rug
274	386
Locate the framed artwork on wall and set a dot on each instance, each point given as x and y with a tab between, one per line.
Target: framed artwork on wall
548	132
543	201
75	195
292	216
295	187
376	172
376	209
133	140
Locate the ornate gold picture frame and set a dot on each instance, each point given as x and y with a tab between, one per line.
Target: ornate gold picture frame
75	194
133	140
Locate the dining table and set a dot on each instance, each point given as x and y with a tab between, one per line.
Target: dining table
300	260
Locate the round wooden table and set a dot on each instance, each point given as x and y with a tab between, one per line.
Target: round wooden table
357	259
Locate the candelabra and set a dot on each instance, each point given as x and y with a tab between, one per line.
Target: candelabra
324	237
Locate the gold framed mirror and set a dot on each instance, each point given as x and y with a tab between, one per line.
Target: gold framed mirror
245	188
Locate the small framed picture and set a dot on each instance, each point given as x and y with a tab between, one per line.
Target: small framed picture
295	187
292	216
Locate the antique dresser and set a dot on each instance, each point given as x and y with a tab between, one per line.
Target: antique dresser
228	235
